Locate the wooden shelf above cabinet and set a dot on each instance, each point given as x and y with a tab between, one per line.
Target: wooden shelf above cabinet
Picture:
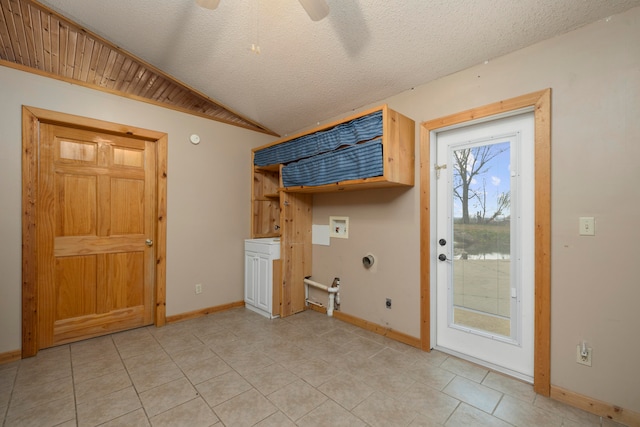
351	185
268	168
265	201
267	198
266	235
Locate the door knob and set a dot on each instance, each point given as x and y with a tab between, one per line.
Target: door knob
442	257
442	242
148	242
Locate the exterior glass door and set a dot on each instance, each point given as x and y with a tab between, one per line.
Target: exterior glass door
485	243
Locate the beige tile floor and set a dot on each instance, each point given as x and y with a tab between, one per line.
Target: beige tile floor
237	368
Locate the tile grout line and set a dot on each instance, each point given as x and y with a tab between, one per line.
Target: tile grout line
13	388
73	385
124	365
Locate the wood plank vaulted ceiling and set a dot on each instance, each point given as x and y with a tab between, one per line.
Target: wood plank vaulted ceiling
177	54
33	36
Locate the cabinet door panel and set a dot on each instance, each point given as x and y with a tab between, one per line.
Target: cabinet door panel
264	284
250	278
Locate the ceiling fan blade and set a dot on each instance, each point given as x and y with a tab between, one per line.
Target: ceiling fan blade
316	9
208	4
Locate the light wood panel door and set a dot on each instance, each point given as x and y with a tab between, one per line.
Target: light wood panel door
95	232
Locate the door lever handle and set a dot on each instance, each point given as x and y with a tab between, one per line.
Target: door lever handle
442	257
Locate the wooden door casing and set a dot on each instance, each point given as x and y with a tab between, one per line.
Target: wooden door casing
97	192
541	103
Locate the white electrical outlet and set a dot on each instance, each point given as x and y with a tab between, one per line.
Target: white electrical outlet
582	359
198	288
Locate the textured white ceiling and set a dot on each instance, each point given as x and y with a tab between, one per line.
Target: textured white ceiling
364	51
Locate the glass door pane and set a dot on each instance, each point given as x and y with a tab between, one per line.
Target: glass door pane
481	230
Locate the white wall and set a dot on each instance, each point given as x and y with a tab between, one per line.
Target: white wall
594	73
208	193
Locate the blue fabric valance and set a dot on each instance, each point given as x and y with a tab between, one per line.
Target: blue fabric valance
349	133
355	162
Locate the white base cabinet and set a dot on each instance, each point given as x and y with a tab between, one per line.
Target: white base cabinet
259	255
